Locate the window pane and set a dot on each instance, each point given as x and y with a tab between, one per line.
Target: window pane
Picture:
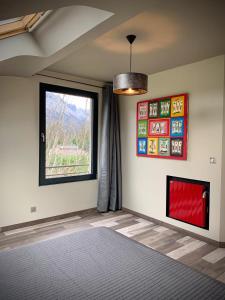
3	22
68	135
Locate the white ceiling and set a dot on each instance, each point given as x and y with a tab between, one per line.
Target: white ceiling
169	33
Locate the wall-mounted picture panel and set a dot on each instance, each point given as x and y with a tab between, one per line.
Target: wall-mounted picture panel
162	127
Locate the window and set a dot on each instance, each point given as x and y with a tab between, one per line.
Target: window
18	25
68	134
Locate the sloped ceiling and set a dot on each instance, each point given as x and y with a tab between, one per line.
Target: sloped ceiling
169	34
52	40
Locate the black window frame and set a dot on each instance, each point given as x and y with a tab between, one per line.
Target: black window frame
45	87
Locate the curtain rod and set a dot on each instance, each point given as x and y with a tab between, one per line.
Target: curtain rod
69	80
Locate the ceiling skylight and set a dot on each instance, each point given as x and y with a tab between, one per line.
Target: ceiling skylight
18	25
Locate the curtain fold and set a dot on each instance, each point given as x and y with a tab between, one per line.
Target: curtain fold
110	178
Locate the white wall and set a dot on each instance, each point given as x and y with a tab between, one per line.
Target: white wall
144	179
222	209
19	159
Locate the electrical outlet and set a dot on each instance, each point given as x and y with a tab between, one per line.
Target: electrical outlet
33	209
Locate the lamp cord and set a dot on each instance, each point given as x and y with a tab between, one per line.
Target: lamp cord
130	56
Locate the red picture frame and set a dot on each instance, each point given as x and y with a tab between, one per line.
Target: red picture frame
178	110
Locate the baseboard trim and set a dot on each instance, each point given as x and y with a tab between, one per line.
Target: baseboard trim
173	227
49	219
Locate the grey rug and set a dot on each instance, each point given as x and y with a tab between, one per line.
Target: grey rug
99	264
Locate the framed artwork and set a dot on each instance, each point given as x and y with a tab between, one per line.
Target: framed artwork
177	127
158	127
152	146
143	111
164	108
142	128
162	126
176	147
164	146
177	106
153	109
142	146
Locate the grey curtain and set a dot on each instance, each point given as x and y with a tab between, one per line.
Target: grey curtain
110	179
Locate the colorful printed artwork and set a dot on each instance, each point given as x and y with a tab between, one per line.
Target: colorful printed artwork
142	146
158	127
176	147
153	109
164	108
162	127
142	128
177	127
143	111
164	146
177	106
153	146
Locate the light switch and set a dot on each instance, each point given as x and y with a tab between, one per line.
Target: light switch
212	160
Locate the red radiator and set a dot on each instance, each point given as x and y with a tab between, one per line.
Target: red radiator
187	201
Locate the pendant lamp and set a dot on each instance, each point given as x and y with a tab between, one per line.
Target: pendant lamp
130	83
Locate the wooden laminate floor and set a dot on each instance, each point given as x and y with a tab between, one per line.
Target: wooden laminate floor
195	253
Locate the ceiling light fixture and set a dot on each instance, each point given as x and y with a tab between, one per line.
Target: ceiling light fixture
130	83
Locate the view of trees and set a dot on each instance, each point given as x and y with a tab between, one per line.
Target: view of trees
68	129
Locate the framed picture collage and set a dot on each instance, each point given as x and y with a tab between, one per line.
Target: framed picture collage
162	127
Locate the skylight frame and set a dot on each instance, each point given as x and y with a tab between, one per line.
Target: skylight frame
20	26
